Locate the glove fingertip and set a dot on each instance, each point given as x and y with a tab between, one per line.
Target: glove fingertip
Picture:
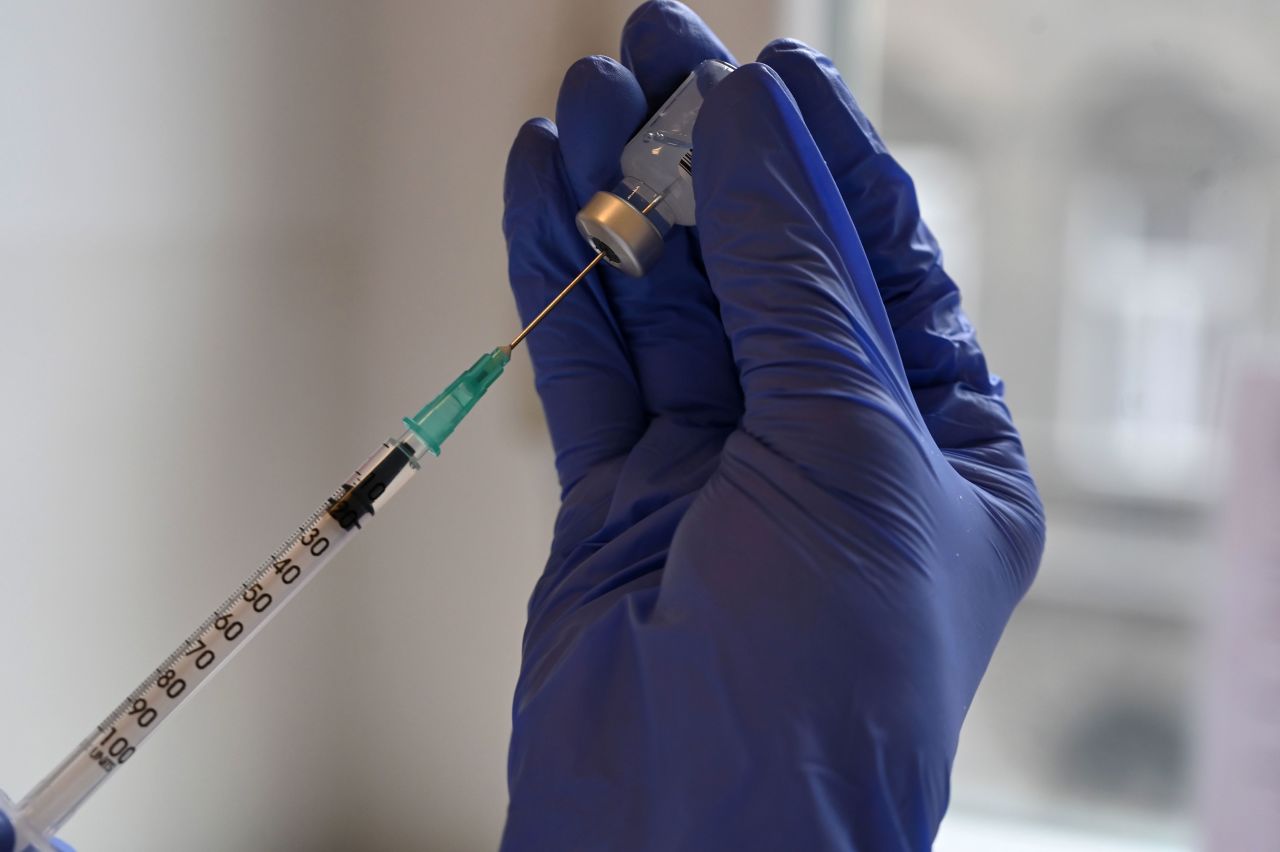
535	139
781	47
743	111
662	42
816	84
599	108
802	68
532	177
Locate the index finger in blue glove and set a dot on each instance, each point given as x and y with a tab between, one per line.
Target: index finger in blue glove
577	353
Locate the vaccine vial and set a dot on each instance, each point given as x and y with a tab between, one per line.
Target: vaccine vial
656	191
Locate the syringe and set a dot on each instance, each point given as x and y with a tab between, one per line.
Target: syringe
254	602
250	606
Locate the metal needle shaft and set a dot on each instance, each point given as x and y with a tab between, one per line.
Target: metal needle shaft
577	279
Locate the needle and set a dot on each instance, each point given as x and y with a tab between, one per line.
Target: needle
577	279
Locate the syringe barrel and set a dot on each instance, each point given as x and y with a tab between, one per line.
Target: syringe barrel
25	838
656	191
220	636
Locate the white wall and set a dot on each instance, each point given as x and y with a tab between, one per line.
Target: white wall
237	242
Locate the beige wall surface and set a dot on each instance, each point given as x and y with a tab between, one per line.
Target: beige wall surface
237	242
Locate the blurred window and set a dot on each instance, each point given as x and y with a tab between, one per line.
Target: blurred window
1163	250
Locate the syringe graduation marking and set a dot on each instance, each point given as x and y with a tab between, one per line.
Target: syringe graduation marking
218	637
222	611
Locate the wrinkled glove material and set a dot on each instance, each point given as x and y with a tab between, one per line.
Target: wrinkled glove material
796	515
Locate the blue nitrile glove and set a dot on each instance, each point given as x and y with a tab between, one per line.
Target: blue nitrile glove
796	515
7	838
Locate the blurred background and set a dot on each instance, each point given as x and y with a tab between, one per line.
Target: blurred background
238	240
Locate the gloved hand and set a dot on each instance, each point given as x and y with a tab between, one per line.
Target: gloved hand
796	514
8	840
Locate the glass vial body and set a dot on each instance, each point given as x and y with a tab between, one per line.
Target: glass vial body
656	190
